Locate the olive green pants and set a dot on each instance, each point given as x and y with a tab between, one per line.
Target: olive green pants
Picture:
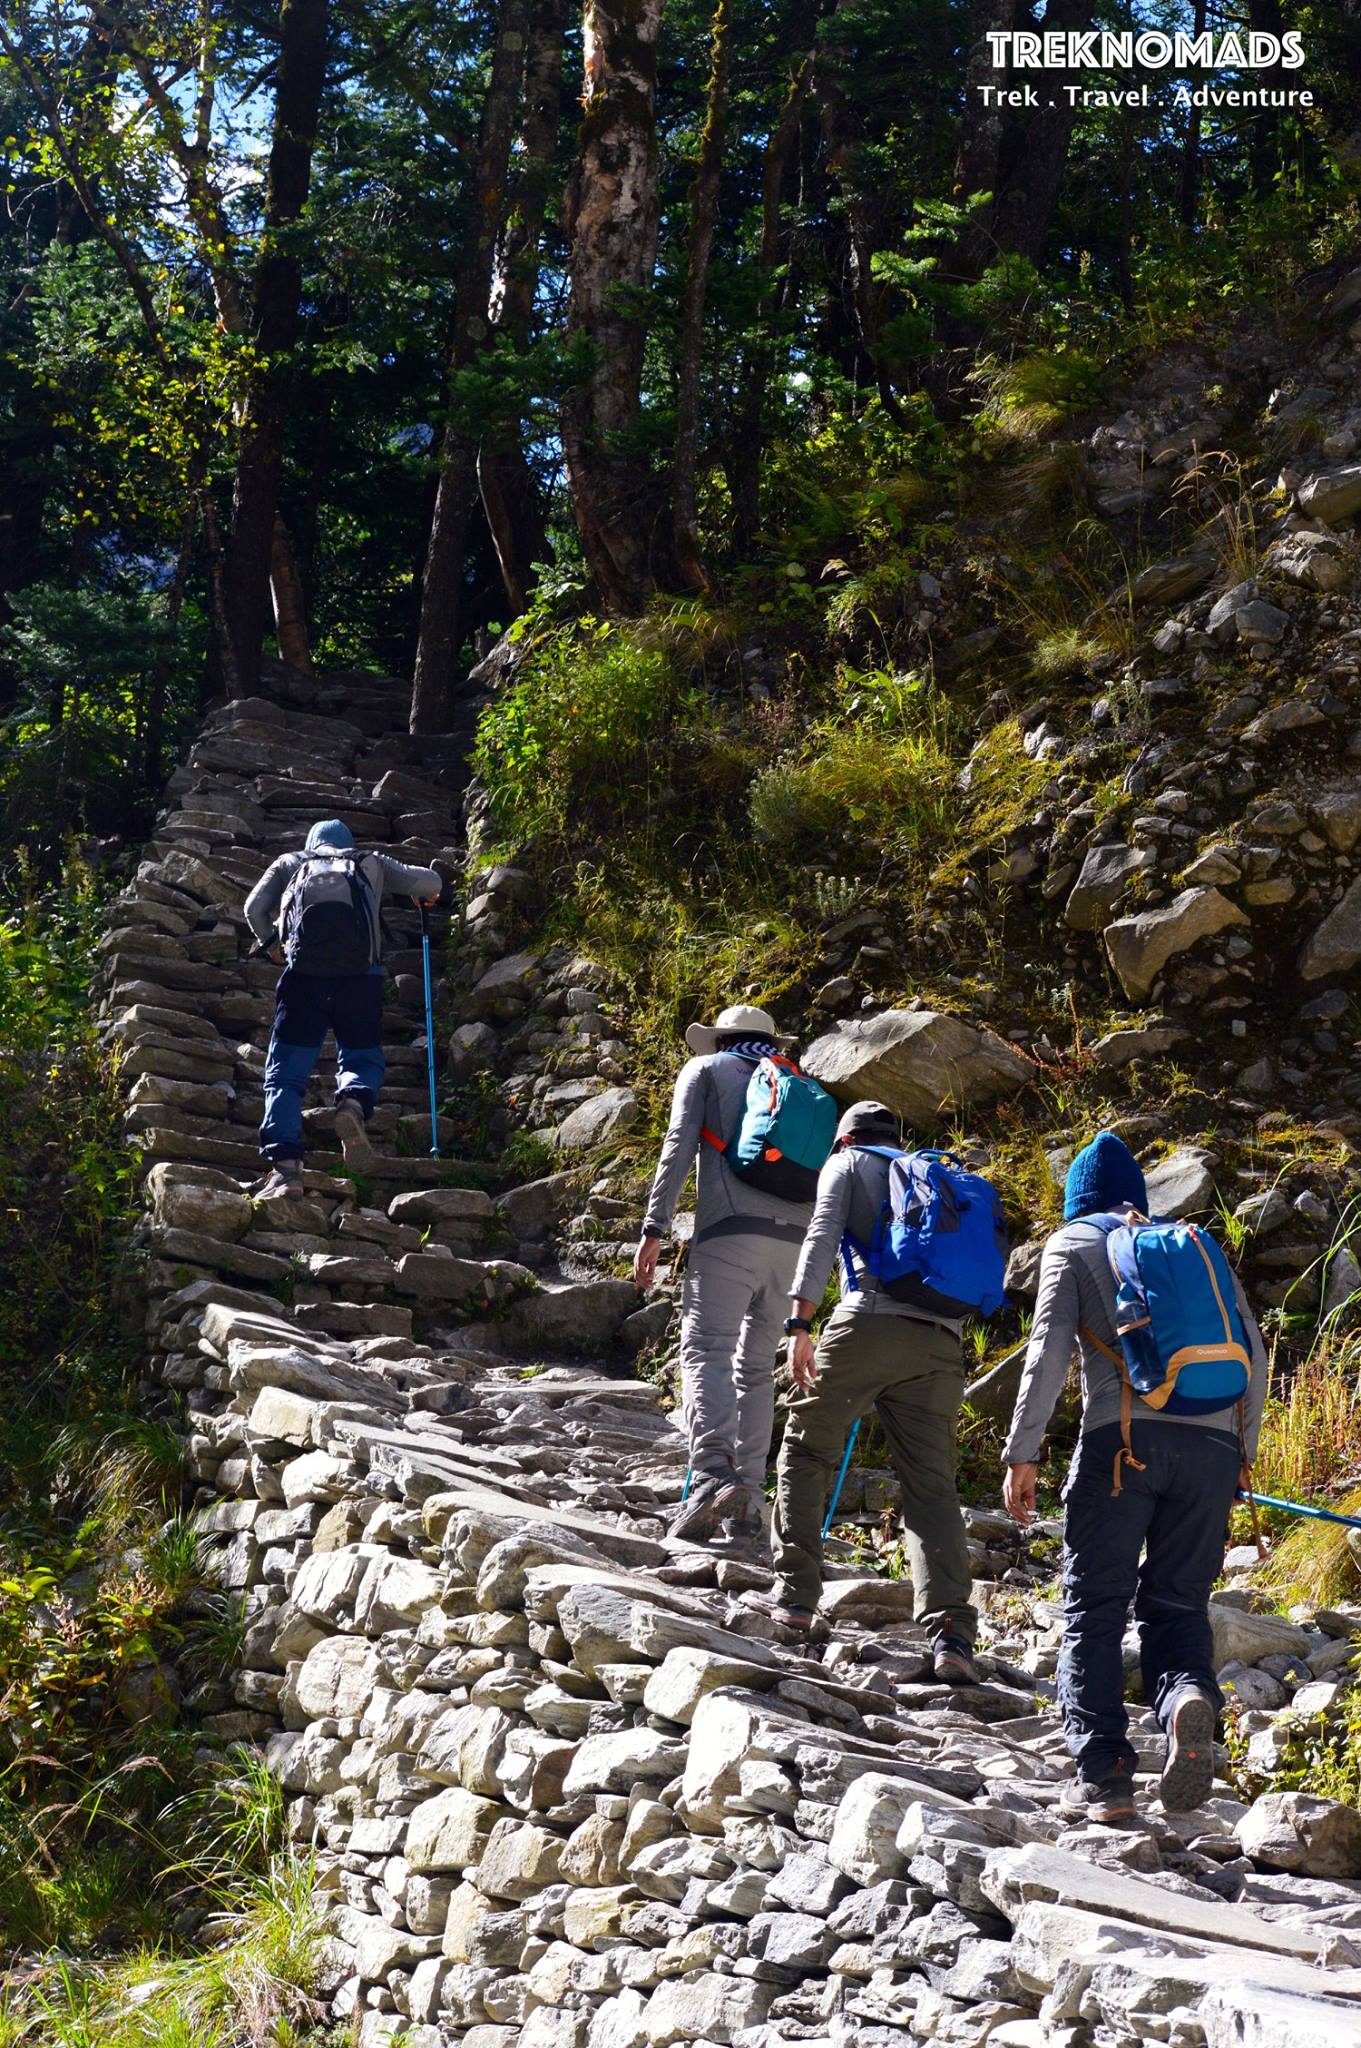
912	1375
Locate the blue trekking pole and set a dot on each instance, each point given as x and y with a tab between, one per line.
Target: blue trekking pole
429	1029
1295	1507
841	1476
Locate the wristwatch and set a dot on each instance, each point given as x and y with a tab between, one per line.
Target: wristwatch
793	1325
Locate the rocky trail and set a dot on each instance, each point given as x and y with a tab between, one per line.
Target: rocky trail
565	1789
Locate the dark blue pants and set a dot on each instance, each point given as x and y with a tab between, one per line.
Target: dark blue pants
306	1007
1175	1513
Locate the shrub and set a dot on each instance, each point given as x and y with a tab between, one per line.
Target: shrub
575	731
893	795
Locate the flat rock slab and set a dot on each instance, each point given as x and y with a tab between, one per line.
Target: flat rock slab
917	1061
1012	1877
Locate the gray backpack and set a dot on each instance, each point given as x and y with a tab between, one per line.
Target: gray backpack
326	916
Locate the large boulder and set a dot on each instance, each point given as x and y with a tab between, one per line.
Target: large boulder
1139	947
919	1062
1335	945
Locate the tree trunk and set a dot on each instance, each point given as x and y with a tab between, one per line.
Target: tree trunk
1264	132
834	67
1017	154
1189	191
290	606
703	218
275	320
744	467
437	644
612	215
510	495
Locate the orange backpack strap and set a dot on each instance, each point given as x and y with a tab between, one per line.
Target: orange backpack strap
712	1138
1125	1455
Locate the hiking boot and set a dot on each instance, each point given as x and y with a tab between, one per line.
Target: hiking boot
786	1613
713	1496
283	1178
1189	1770
1107	1801
952	1659
355	1144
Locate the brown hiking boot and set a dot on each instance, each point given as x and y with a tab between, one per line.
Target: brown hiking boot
1189	1770
1108	1801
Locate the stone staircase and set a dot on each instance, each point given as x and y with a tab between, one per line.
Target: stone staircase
565	1787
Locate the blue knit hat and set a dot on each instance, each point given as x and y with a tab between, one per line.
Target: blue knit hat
1102	1176
330	832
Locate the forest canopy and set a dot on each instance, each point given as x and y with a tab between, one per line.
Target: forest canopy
352	332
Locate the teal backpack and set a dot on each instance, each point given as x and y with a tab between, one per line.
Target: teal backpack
786	1133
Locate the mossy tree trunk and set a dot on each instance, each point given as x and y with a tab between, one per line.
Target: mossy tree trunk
612	217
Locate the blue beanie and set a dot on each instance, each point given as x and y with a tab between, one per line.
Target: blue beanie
330	832
1102	1176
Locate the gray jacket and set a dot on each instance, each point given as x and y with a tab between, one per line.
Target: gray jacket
1077	1287
852	1191
710	1094
378	869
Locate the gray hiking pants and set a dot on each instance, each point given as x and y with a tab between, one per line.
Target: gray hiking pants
912	1375
734	1303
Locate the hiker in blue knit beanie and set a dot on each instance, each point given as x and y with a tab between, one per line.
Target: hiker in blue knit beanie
1144	1511
1103	1176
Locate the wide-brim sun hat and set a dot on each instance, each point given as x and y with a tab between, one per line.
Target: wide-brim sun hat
742	1020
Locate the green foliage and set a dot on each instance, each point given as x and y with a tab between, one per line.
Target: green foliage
891	796
575	731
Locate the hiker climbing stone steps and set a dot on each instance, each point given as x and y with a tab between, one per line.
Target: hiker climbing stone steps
324	904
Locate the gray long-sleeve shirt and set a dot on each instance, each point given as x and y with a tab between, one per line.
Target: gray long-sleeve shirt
710	1094
378	869
852	1191
1077	1287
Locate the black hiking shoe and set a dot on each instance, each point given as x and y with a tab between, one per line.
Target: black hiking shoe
1108	1801
1189	1771
786	1613
283	1178
952	1660
713	1496
355	1144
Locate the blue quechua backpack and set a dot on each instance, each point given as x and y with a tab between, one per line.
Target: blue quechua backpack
786	1133
1183	1347
939	1244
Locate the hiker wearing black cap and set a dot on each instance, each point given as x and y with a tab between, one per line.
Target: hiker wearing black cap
317	911
1145	1478
749	1224
874	1352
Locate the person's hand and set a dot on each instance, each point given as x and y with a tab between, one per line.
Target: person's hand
276	954
426	902
645	1262
802	1360
1018	1493
1244	1479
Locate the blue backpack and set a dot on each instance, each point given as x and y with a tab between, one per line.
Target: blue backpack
786	1133
939	1244
1182	1343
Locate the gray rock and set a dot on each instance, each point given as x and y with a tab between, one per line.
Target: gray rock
1331	495
1241	1637
1182	1183
1260	624
1245	2016
450	1831
1103	878
1317	560
598	1121
918	1061
1335	944
1139	947
1297	1831
1116	1049
442	1205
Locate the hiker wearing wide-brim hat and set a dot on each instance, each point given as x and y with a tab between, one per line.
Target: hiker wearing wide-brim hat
317	911
900	1360
755	1131
1154	1476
